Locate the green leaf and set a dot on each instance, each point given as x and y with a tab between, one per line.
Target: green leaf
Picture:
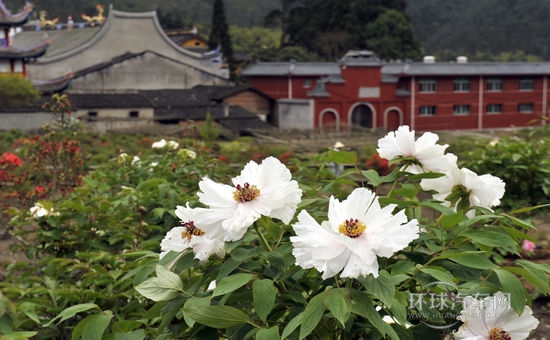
490	238
72	311
381	287
216	316
263	293
363	306
438	273
312	315
292	325
341	157
231	283
472	259
534	278
192	303
163	287
28	308
512	285
134	335
268	334
338	303
18	336
93	326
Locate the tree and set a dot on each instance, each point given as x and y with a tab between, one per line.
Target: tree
219	35
391	37
330	28
17	91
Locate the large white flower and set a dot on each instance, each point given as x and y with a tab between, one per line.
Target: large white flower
493	319
161	144
204	238
463	188
260	189
418	156
357	231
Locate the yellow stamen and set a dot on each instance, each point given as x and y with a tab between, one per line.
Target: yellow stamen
499	334
245	193
352	228
190	230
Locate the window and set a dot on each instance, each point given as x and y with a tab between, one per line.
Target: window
494	108
133	114
526	84
461	85
494	84
427	85
525	107
427	110
461	109
92	115
307	84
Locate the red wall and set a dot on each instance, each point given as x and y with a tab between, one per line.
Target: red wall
343	96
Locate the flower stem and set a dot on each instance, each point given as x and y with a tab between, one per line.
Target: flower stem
262	237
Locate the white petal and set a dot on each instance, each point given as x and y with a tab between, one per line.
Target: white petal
216	195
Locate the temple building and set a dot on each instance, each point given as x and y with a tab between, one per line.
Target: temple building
14	59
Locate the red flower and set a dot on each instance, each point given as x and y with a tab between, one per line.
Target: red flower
10	158
379	164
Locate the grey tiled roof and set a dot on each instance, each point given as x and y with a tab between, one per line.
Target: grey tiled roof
468	68
109	100
292	68
61	40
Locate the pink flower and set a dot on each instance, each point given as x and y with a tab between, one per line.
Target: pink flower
528	246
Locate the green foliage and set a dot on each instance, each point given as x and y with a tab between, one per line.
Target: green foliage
522	161
251	40
331	28
391	36
96	271
209	130
17	91
457	26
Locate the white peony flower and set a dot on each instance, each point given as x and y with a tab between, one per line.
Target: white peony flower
422	155
205	239
463	189
38	210
493	319
261	189
357	231
172	145
161	144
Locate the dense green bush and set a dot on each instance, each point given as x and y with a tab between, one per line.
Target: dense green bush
522	160
95	270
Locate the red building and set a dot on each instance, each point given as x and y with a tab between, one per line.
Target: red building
362	91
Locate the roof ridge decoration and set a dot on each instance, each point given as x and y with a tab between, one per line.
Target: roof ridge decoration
102	31
97	19
10	20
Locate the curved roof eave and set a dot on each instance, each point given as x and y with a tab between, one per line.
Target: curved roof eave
105	28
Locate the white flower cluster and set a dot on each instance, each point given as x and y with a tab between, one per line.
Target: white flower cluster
458	187
492	318
39	210
261	189
163	144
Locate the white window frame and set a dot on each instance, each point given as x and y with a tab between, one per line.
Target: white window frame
461	85
428	110
493	109
495	84
427	85
526	84
526	107
461	109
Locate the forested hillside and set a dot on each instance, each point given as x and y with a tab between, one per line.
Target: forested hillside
486	26
479	29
